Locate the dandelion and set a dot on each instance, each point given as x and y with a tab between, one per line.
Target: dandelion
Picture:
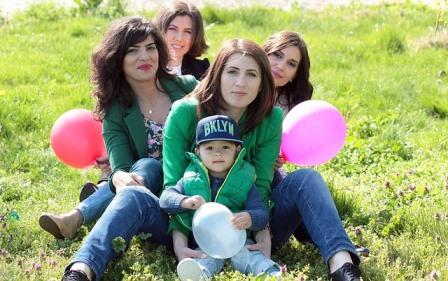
37	266
434	275
411	172
61	252
358	231
400	193
412	186
3	253
283	268
42	256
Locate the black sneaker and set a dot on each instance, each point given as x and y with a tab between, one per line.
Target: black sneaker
347	272
87	190
74	275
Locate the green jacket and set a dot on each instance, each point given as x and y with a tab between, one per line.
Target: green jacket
262	145
232	193
124	130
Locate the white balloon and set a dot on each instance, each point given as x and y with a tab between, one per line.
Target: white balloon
214	232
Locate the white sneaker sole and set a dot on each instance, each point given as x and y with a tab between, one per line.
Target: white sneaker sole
190	270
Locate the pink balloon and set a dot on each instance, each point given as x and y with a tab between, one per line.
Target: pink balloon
314	132
76	138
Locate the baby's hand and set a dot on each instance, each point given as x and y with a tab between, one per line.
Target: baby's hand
242	220
192	202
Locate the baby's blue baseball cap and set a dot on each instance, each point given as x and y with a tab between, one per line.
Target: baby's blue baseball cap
217	127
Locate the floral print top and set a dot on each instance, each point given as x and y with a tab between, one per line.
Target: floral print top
154	131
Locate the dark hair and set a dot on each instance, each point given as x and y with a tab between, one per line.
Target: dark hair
209	94
168	12
107	75
300	88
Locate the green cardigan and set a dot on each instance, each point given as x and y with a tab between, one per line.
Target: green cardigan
262	145
124	130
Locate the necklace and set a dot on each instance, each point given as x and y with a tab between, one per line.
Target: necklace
153	106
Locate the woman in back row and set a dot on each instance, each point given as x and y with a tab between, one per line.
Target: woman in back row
304	206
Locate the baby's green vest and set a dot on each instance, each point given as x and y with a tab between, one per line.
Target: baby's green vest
232	193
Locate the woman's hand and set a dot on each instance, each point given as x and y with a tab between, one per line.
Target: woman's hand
180	245
192	202
242	220
280	161
263	239
121	179
103	164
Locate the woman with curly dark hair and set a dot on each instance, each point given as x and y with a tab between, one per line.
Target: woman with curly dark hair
134	91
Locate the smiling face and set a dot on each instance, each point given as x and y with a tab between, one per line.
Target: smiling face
284	64
179	36
141	61
240	82
218	156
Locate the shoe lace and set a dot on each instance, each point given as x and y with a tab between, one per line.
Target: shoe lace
75	275
352	272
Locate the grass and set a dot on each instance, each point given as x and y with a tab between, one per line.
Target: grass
379	65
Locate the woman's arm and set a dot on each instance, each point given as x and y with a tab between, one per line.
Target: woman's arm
116	138
265	152
178	138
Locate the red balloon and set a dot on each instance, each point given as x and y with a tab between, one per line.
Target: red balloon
76	138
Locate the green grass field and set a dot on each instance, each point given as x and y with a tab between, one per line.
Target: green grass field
380	65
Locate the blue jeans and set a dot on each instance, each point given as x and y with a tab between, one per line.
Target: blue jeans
93	207
134	210
245	261
304	207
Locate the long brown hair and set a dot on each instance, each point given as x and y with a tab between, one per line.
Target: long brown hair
169	11
107	74
209	93
300	88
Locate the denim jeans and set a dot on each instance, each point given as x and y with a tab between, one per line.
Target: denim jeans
134	210
93	207
304	207
245	261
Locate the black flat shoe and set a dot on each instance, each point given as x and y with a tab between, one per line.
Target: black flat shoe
347	272
74	275
87	190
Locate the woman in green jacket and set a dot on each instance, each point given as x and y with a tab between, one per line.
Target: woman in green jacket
134	92
239	84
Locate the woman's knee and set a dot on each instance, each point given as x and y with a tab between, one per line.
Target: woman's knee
138	195
146	164
305	179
